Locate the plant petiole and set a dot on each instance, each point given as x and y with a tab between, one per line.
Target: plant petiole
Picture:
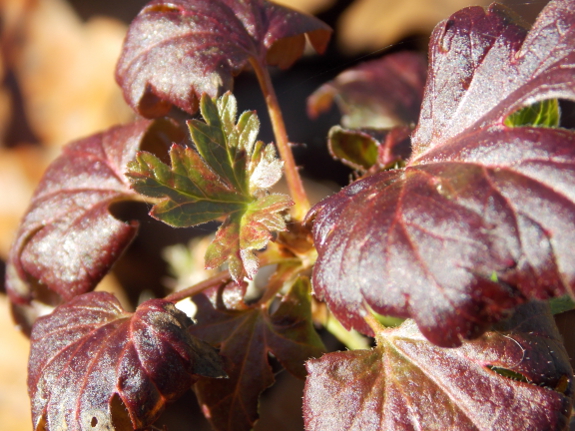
218	279
293	178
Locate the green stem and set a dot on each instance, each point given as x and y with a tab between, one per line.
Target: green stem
215	280
353	340
294	182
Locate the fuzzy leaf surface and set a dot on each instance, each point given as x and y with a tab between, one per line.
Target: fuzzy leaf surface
68	240
245	338
482	217
227	177
515	378
179	49
95	366
380	93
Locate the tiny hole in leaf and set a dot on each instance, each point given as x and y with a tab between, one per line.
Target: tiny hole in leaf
563	385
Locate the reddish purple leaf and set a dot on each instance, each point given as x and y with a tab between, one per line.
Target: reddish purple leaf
68	240
95	366
483	215
515	378
245	338
177	50
380	93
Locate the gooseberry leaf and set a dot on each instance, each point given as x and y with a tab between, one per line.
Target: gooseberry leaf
95	366
543	114
245	338
377	94
482	217
226	175
517	377
561	304
370	149
68	240
179	49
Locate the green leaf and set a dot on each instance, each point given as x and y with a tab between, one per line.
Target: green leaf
225	177
190	192
355	148
222	143
541	114
561	304
364	149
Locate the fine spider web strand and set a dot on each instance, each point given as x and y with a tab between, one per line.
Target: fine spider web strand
518	344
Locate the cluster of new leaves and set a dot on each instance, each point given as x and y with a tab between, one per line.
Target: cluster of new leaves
481	218
245	338
95	366
227	177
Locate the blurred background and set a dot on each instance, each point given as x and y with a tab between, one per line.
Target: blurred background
57	61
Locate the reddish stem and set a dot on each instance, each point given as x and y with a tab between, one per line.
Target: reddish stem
294	182
374	324
215	280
